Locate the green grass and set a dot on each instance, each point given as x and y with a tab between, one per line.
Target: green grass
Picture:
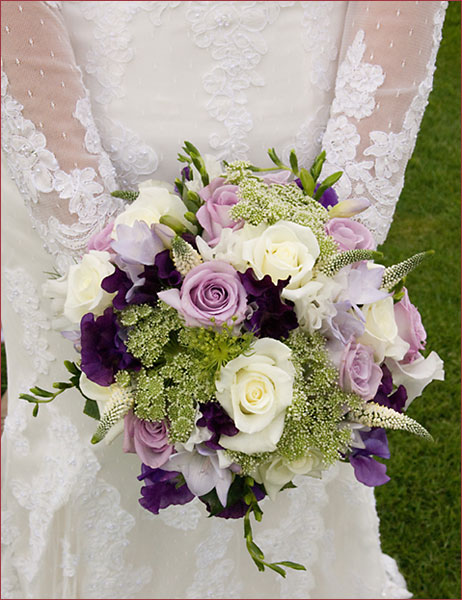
420	507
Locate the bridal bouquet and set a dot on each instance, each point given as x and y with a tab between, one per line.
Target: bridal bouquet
239	331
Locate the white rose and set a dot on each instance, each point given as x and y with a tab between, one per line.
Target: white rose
84	292
382	331
255	391
415	376
275	474
155	200
282	251
102	395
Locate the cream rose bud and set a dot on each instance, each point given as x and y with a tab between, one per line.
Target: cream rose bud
282	251
275	474
84	292
155	200
255	391
381	332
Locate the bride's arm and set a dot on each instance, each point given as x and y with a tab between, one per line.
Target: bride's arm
49	138
385	75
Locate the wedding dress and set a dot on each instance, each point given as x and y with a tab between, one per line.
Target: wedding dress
98	96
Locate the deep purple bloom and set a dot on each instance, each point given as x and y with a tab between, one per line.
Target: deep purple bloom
236	506
187	173
103	351
152	280
218	422
385	395
272	317
329	198
367	470
162	489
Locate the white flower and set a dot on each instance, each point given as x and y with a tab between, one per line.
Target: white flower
382	332
275	474
228	249
415	376
255	391
103	396
155	200
84	292
282	251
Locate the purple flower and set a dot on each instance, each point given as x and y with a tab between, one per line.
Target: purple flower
364	284
211	294
410	327
271	317
385	395
218	422
162	489
103	351
137	244
344	324
358	372
349	234
329	198
219	197
367	470
144	291
148	439
235	507
279	177
102	240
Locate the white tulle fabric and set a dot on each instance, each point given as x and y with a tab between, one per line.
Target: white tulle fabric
98	96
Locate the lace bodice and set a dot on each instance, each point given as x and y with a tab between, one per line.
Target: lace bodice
100	95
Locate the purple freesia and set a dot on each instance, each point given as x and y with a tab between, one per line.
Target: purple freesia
103	351
367	470
137	244
364	284
144	291
162	489
329	198
272	317
385	395
211	294
344	324
102	240
279	177
148	439
216	420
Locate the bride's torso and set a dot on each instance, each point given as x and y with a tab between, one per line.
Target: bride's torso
232	77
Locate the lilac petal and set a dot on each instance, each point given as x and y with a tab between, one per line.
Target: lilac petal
369	471
364	284
137	244
375	442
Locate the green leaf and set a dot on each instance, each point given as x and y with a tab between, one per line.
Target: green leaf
72	367
191	148
293	162
35	411
275	158
183	158
247	528
292	565
288	486
28	397
91	409
173	223
41	392
276	568
316	167
180	185
327	183
255	550
191	217
63	385
307	181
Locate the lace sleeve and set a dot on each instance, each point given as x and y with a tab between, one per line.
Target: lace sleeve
52	147
385	75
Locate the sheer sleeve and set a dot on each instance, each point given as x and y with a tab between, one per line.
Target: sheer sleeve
385	75
52	147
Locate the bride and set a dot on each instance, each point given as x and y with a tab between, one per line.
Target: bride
98	96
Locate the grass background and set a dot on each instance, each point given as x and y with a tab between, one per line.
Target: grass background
420	507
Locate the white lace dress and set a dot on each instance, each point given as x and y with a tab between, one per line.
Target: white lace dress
98	96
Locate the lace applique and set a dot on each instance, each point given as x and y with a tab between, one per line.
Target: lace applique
35	171
357	82
232	33
318	41
69	561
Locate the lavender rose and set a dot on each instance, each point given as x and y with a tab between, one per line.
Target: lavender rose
214	216
350	235
211	294
410	327
358	372
148	439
